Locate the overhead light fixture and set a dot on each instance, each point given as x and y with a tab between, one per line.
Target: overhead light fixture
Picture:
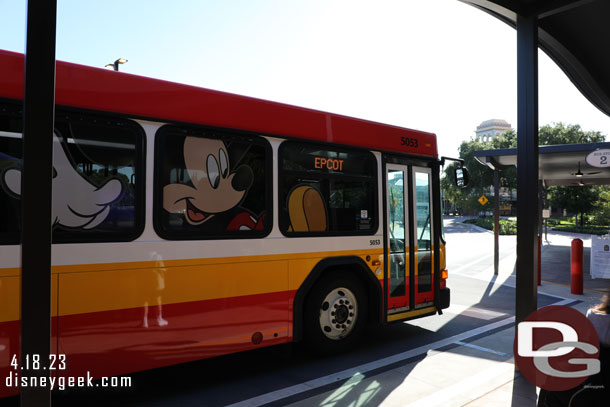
116	64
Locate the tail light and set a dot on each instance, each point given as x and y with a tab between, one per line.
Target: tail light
444	277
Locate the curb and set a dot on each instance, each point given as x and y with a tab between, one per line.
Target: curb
475	227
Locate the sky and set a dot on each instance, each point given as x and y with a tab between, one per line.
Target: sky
440	66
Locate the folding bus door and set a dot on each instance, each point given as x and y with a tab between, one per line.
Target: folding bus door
422	227
397	239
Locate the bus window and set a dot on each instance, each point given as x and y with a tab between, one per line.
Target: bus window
211	184
326	191
96	193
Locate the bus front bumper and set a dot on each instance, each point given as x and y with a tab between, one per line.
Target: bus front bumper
445	297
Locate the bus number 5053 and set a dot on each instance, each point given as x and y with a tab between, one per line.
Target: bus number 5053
409	142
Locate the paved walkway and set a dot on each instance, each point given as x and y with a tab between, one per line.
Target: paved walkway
555	266
556	261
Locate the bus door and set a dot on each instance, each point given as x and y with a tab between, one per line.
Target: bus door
397	254
422	227
409	238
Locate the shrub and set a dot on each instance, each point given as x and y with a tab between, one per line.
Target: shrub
507	227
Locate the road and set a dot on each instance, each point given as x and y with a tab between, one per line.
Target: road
401	364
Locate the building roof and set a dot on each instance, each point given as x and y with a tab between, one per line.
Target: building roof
494	124
557	165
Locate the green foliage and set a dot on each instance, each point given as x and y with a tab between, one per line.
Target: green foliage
580	200
505	140
587	230
507	227
576	199
601	213
481	177
567	134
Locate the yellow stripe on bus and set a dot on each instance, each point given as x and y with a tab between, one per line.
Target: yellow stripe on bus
410	314
112	286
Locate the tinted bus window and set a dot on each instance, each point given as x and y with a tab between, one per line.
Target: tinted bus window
326	190
97	194
211	184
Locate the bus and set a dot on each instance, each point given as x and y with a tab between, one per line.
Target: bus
190	223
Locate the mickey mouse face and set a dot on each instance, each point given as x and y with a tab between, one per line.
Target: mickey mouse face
215	188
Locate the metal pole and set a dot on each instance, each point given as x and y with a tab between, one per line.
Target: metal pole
36	184
540	206
527	165
539	244
496	221
436	214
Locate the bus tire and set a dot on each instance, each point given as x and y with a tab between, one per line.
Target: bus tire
335	313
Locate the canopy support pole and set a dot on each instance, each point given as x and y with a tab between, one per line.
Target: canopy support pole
527	166
36	198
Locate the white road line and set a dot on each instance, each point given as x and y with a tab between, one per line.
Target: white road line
367	367
473	311
481	348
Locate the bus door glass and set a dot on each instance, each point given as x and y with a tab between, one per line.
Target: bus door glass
423	227
397	232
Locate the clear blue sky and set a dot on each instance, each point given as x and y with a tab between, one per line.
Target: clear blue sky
434	65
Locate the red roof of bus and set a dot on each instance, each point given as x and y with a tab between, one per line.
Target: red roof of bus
105	90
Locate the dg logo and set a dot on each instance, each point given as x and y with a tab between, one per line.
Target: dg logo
556	348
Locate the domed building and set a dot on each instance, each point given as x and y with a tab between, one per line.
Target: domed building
491	128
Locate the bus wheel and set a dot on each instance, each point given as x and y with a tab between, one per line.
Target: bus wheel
335	312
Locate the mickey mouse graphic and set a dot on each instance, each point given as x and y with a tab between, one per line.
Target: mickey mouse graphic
213	198
78	203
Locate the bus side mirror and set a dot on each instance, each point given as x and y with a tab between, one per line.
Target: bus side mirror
462	177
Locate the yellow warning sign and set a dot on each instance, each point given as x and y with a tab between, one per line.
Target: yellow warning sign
483	200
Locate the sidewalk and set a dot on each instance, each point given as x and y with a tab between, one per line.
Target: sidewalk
555	267
469	367
556	261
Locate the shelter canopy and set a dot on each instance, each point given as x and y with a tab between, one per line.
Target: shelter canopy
573	33
557	165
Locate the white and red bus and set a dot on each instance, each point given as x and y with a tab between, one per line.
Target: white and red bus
190	223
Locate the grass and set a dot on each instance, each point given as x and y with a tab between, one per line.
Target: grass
507	227
586	229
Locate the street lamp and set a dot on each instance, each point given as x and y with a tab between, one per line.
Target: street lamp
116	64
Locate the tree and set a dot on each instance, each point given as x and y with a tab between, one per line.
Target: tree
482	177
577	199
567	134
601	213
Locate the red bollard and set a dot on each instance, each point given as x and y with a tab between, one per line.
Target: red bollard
576	269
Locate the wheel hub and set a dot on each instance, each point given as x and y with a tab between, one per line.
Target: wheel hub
338	313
